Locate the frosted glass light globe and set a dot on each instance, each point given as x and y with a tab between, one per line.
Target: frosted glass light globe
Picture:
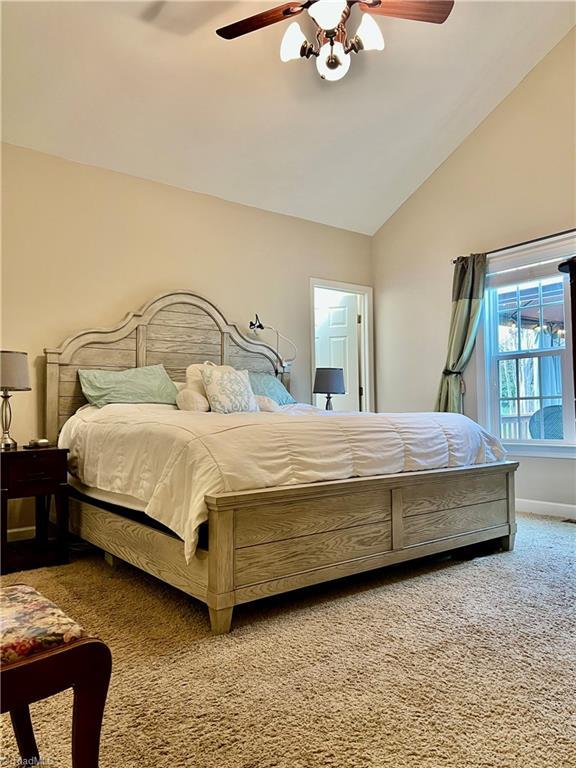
327	13
322	62
292	42
370	34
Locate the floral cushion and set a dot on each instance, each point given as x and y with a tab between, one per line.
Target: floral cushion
29	624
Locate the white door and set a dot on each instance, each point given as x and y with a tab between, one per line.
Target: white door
336	343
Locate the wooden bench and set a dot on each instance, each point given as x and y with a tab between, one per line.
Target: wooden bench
43	652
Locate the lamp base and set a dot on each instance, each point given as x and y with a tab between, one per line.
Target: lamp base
329	403
8	444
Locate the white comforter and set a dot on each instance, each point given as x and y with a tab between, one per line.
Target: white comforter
170	459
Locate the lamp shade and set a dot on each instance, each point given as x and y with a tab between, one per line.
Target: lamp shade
329	381
14	371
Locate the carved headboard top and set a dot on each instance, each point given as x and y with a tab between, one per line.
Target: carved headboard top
176	329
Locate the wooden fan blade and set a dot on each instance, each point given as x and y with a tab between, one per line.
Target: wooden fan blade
434	11
260	20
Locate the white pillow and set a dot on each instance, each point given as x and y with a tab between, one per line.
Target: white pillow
194	377
193	396
189	400
267	404
228	390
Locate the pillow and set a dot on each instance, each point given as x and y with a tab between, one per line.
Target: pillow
195	399
189	400
270	386
228	390
267	404
149	384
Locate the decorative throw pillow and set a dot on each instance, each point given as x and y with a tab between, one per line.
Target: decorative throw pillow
189	400
195	398
270	386
228	390
149	384
267	404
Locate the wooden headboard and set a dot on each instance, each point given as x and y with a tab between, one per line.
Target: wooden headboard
176	329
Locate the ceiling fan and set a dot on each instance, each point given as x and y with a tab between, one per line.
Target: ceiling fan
332	46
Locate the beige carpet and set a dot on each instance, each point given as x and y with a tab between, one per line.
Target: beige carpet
466	664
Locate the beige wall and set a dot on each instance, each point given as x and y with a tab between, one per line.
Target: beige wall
512	179
82	246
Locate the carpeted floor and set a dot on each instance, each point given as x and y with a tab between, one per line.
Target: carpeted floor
466	664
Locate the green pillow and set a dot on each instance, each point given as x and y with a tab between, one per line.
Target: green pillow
268	385
150	384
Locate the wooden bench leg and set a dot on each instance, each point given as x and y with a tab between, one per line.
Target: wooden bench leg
220	620
89	701
24	734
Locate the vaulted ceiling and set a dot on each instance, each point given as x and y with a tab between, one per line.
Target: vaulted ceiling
148	89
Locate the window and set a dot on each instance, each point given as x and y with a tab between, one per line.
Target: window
528	383
529	356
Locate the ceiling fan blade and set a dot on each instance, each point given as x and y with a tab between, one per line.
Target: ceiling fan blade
260	20
434	11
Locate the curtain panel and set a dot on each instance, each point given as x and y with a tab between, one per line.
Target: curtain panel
467	296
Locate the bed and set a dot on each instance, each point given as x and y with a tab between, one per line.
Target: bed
250	542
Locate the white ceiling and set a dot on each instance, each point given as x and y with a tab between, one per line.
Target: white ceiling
148	89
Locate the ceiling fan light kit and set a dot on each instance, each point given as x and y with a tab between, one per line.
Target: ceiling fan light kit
294	44
332	46
369	35
327	14
333	61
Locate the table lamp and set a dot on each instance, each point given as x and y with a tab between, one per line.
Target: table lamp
329	381
13	378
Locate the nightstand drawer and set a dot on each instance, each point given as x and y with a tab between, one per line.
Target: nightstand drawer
36	468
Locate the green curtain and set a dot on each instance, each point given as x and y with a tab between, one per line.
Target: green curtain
467	295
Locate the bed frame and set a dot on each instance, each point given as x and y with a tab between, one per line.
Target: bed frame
272	540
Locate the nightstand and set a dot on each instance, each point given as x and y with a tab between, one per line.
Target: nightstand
40	473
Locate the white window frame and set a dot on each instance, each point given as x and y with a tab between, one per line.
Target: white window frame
518	265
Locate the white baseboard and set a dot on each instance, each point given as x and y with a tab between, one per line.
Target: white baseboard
16	534
549	508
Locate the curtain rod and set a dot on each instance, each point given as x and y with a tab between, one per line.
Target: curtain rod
527	242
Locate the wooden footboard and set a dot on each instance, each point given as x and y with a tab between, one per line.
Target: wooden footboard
274	540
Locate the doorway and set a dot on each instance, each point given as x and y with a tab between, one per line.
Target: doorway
342	338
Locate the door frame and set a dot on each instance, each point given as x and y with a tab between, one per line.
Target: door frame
367	335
